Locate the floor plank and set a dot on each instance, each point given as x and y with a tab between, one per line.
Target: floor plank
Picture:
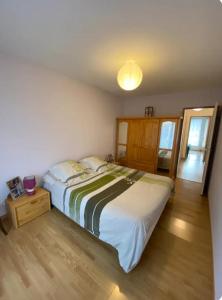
53	258
192	167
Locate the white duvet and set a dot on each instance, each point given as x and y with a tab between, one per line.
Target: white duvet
127	221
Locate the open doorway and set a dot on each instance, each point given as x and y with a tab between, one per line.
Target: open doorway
194	143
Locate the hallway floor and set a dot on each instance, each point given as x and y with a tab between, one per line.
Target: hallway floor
192	167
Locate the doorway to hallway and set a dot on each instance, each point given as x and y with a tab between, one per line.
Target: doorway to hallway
194	143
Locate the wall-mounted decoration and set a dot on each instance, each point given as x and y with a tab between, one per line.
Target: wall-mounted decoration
15	187
149	111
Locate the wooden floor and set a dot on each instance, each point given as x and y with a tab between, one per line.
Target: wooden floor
192	167
52	258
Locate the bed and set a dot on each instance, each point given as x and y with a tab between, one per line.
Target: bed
118	205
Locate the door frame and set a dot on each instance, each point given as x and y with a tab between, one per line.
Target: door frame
213	145
208	170
178	138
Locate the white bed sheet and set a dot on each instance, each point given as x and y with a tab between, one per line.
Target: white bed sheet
128	221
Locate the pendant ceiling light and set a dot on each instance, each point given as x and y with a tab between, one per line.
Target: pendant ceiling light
129	76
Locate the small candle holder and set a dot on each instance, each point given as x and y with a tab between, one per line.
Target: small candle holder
29	184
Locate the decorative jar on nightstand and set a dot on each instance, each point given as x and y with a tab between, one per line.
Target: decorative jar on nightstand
26	208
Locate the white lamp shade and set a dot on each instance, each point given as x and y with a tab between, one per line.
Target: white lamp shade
129	76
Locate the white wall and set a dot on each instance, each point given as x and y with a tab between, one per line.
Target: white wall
215	200
46	117
171	104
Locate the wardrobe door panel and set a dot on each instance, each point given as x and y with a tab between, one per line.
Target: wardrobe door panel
168	146
142	144
122	141
134	140
141	166
148	153
122	132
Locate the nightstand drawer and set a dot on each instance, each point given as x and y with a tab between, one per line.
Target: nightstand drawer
32	209
26	208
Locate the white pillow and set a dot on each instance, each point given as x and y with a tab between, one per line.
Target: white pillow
66	170
49	178
93	163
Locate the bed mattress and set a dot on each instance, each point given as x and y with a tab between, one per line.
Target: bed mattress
120	206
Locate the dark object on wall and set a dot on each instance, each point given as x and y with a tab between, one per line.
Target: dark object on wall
149	111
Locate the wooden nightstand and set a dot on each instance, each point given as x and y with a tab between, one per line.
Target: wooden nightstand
27	208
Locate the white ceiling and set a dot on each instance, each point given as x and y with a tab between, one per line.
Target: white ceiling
178	43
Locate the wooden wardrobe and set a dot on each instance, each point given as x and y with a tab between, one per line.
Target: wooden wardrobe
138	142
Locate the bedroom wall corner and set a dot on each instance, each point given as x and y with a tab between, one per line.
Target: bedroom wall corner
46	117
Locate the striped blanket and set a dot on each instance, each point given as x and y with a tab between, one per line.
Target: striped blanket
120	206
97	202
